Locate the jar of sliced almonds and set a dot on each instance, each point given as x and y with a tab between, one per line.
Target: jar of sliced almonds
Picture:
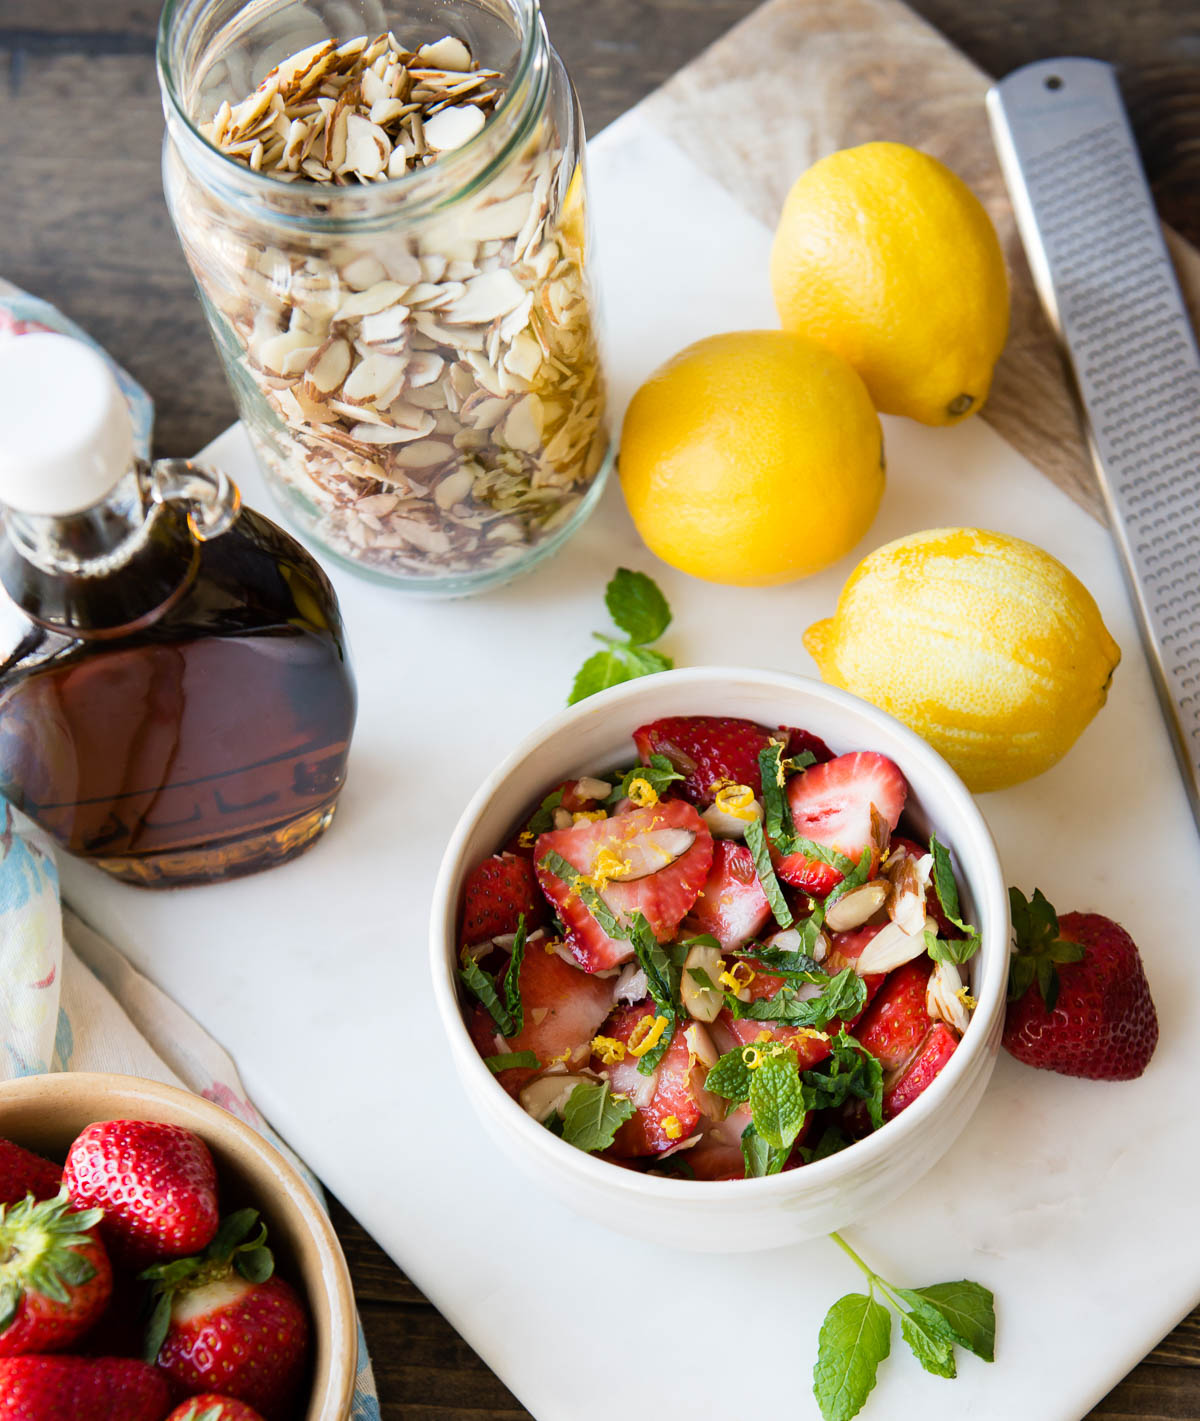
389	236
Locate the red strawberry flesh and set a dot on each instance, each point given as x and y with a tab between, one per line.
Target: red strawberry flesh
732	905
831	804
156	1183
564	1008
930	1058
663	896
671	1112
896	1022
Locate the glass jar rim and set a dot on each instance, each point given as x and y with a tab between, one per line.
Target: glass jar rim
462	170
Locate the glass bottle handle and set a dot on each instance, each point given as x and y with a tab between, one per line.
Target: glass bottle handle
210	498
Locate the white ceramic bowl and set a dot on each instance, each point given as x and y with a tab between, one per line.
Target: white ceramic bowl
733	1215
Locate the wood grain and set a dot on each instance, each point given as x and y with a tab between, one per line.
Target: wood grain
84	225
842	72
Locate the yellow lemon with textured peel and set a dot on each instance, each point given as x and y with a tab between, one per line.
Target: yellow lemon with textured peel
985	645
752	458
887	257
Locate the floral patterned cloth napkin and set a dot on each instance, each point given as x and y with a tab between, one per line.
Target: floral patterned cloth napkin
70	1002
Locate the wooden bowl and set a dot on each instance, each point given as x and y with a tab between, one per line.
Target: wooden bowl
46	1113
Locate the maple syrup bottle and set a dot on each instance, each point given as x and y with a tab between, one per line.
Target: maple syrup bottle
176	699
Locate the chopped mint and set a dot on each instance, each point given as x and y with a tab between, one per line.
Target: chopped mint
511	1061
593	1115
553	862
484	987
658	774
512	981
731	1077
757	844
849	1070
777	812
542	818
759	1157
946	888
639	609
844	996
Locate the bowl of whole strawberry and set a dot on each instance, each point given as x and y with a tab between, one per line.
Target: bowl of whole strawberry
721	956
160	1259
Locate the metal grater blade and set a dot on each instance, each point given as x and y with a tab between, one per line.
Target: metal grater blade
1101	267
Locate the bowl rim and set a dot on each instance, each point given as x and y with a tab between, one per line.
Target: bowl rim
337	1297
990	895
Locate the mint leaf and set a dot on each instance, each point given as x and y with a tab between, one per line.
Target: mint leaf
777	812
542	818
845	996
512	981
644	661
592	1116
933	1352
511	1061
730	1077
637	606
600	671
777	1101
757	844
969	1310
758	1157
952	949
855	1337
849	1070
943	882
640	610
659	774
481	984
553	862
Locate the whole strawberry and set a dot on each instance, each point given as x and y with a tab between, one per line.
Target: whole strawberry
224	1323
157	1185
22	1172
1092	1014
55	1278
211	1407
80	1389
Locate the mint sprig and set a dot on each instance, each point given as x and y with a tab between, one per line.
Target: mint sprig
856	1334
640	610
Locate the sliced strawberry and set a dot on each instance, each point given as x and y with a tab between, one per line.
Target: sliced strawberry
622	853
933	1053
729	1032
564	1008
719	1153
896	1022
731	906
497	892
832	804
800	740
667	1110
706	749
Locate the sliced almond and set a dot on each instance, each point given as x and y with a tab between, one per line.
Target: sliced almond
446	53
891	947
377	380
453	127
853	909
701	1002
328	367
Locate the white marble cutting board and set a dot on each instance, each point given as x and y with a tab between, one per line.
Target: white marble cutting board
1072	1200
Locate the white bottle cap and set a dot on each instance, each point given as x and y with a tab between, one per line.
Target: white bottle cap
65	433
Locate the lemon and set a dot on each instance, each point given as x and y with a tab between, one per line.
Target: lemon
887	257
752	458
985	645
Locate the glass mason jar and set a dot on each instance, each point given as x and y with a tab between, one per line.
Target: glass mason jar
415	357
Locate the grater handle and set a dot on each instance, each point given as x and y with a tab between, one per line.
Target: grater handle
1095	247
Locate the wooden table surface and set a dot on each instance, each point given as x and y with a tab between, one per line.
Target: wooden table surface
83	223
